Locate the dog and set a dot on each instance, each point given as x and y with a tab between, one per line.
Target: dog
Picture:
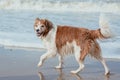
66	40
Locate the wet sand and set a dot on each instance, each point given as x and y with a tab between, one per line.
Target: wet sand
21	64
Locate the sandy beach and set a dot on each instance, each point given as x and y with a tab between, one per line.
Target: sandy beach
19	64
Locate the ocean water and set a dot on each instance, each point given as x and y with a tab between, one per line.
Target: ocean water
17	20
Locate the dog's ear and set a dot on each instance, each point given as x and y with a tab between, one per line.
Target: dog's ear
37	19
48	24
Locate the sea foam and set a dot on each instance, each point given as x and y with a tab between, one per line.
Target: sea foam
61	6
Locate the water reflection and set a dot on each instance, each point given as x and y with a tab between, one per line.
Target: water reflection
107	77
41	76
78	76
63	76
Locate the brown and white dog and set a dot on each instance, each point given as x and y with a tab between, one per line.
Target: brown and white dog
66	40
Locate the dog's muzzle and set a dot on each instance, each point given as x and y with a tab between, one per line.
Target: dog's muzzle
37	30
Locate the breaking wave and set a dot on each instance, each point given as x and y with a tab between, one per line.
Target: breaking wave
112	6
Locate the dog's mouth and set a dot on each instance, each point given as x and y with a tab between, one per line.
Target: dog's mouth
39	34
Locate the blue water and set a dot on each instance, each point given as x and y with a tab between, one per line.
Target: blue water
16	24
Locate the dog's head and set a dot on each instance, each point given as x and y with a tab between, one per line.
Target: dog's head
42	27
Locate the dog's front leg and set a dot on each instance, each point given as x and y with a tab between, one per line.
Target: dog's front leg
48	54
42	59
60	58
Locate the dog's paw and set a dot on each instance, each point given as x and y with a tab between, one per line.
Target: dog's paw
58	67
74	72
107	73
39	64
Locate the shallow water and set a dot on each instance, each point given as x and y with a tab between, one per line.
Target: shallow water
22	65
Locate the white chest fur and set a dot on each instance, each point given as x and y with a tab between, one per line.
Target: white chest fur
49	40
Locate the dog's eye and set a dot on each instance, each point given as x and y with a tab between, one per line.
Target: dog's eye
35	25
42	26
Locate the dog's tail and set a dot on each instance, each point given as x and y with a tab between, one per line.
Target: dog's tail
104	31
104	27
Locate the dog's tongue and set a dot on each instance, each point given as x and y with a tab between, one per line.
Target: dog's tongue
39	34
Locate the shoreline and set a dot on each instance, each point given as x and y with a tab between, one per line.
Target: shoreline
39	49
20	64
22	48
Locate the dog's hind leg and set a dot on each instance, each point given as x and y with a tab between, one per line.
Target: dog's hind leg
81	66
105	66
79	59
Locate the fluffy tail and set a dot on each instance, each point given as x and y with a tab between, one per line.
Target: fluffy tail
104	26
104	31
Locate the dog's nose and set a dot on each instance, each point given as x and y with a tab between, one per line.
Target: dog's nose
37	30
